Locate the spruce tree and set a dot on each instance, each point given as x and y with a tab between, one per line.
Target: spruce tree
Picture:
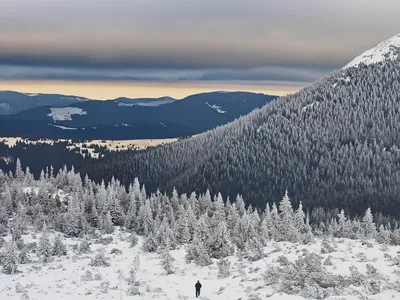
10	260
44	250
368	225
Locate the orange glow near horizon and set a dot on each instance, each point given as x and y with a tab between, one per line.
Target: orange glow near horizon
103	90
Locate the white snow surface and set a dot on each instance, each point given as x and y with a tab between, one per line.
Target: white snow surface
63	127
387	50
217	108
65	113
61	278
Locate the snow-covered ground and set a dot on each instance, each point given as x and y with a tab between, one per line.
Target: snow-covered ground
63	127
387	50
63	277
216	107
65	113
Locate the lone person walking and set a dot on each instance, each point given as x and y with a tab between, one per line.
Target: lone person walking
198	287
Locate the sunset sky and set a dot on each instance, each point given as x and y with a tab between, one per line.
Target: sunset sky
151	48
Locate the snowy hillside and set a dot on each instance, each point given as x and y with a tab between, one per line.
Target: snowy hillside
387	50
64	238
368	269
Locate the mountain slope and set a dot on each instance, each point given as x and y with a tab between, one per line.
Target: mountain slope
122	119
333	144
13	102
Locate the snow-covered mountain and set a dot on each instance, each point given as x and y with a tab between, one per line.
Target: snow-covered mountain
124	118
387	50
334	143
13	102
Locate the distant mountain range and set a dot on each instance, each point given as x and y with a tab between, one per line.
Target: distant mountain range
14	102
58	116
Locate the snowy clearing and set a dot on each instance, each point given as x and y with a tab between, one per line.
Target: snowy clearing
65	113
72	277
217	108
62	127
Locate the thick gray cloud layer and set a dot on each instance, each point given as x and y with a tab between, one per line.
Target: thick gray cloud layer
250	40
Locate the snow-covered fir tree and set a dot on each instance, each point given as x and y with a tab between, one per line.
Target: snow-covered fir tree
10	260
44	250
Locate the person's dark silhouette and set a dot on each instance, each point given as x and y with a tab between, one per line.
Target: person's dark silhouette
198	287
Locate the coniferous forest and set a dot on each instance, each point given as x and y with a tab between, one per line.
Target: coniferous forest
333	144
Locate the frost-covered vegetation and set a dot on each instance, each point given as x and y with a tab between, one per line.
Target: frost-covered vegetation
55	221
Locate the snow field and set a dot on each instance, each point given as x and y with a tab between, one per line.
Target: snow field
63	278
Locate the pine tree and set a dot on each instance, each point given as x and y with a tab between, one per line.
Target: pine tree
150	244
75	220
368	225
383	235
167	261
145	219
219	243
197	252
182	229
44	250
254	247
343	229
10	260
286	225
107	224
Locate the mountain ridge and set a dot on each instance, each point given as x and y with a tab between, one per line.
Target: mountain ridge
96	119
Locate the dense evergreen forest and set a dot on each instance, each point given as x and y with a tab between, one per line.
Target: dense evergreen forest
333	144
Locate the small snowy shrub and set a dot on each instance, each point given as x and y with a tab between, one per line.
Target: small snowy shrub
104	240
100	260
19	288
166	261
133	240
328	261
224	267
306	277
104	286
59	249
367	243
88	276
326	247
132	291
150	244
362	257
24	296
116	251
84	247
283	260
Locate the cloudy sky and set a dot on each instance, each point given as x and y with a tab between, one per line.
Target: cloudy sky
108	48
